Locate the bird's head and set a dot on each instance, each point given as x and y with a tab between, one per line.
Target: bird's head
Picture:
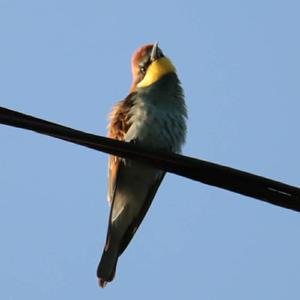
148	65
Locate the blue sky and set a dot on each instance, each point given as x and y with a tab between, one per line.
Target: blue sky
69	62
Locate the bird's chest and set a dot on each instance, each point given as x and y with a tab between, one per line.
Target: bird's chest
152	125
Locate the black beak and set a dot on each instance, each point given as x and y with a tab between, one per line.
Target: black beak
156	53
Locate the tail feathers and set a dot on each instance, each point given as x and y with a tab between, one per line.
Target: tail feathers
108	263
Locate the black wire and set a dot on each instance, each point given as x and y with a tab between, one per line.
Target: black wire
244	183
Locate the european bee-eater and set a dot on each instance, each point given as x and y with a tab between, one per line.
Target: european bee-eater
152	115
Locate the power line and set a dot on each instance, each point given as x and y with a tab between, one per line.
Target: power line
234	180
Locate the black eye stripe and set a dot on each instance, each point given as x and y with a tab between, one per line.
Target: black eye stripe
143	65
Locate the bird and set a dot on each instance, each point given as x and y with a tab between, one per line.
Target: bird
154	116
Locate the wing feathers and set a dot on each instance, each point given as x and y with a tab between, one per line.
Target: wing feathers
117	129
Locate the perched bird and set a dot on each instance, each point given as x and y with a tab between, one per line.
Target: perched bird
152	115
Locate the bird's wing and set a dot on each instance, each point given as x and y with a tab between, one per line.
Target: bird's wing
138	220
117	129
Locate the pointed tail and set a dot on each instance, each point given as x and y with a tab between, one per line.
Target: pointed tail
108	263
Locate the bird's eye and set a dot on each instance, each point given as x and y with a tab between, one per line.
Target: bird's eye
143	69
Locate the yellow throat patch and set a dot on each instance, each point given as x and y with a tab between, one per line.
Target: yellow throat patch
156	70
